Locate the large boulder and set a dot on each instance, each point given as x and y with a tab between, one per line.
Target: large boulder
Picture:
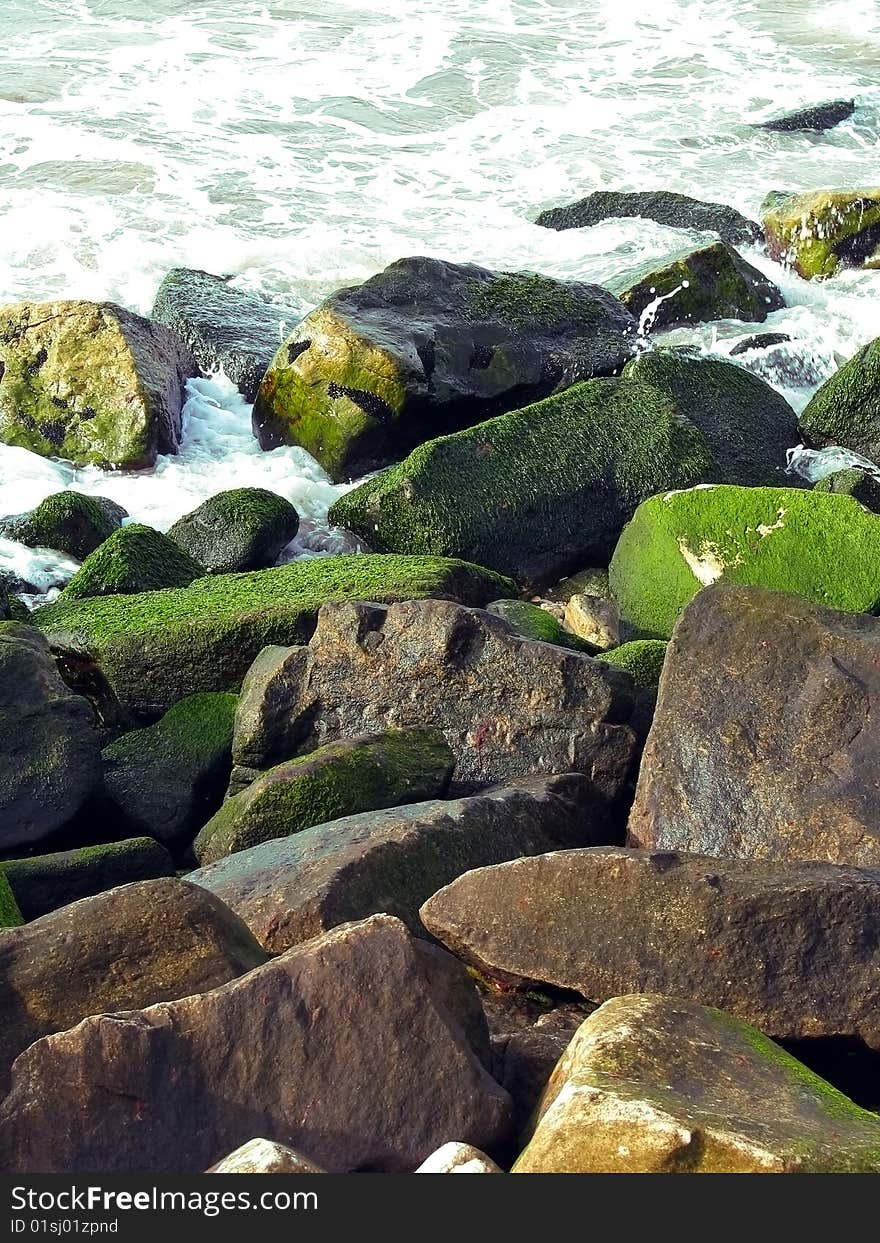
427	347
150	941
676	211
508	707
608	921
823	230
133	559
365	1035
845	410
223	326
297	887
821	546
91	382
766	737
157	647
243	529
49	749
544	490
655	1085
66	521
352	775
815	118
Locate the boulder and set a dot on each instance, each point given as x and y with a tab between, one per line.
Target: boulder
168	779
641	658
297	887
859	484
150	941
815	118
66	521
10	915
676	211
606	921
534	622
157	647
766	735
595	619
425	348
243	529
544	490
823	230
91	382
365	1035
528	1057
817	545
455	1158
264	1156
655	1085
223	326
133	559
845	410
692	286
43	883
49	751
507	706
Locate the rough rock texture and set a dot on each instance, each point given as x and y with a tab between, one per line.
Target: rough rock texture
845	410
243	529
455	1158
90	382
223	326
297	887
766	735
427	347
508	707
816	118
791	949
155	648
817	545
66	521
674	210
133	559
641	658
823	230
595	619
859	484
371	1068
150	941
49	752
533	622
264	1156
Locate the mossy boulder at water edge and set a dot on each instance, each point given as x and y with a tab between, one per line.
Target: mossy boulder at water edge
242	529
823	230
152	649
91	382
676	211
68	522
135	558
846	409
821	546
425	348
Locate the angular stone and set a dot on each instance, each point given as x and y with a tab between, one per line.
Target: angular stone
823	230
455	1158
593	619
264	1156
845	410
243	529
676	211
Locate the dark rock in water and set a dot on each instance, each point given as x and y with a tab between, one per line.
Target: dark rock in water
425	348
846	409
766	737
243	529
150	941
821	231
134	559
369	1041
68	522
222	325
297	887
818	117
760	341
676	211
859	484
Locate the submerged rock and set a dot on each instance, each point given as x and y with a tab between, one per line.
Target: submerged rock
822	230
676	211
243	529
845	410
264	1156
816	118
66	521
133	559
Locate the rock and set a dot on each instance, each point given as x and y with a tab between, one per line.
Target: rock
551	486
641	658
10	915
371	1068
676	211
223	326
155	648
765	739
594	619
817	545
818	117
297	887
90	382
49	753
692	286
759	341
820	231
530	1055
134	559
425	348
859	484
244	529
264	1156
168	779
43	883
533	622
508	707
67	521
12	608
845	410
455	1158
607	921
150	941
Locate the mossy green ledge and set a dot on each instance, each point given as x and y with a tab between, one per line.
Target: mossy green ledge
152	649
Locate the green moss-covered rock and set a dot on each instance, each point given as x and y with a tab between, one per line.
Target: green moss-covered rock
340	779
243	529
642	659
46	882
12	608
676	211
90	382
134	559
691	286
67	521
533	622
859	484
845	410
820	231
157	647
823	547
10	915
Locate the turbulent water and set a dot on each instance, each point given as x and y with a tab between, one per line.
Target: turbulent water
303	146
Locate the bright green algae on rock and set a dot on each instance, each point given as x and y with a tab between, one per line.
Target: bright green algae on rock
821	546
134	559
845	410
822	230
533	622
10	915
241	529
642	659
67	521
